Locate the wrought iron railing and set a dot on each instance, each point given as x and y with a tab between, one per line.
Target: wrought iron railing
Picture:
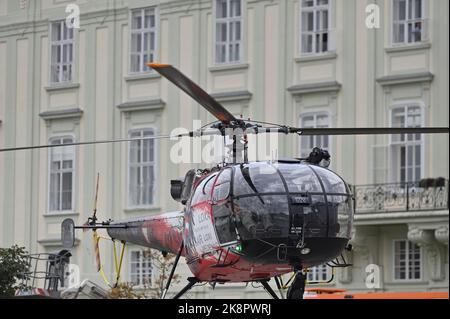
400	197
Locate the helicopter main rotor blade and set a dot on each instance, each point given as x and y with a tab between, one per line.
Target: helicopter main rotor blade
21	148
194	91
367	130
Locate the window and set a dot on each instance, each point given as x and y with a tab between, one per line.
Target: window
319	273
142	39
307	143
406	149
141	168
61	175
203	190
408	21
141	268
315	26
61	52
228	42
407	260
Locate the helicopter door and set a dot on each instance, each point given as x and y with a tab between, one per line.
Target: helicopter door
223	213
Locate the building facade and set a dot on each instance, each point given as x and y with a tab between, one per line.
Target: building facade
308	63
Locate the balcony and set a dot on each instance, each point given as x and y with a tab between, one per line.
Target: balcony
424	195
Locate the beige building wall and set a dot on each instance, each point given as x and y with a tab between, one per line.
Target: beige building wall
356	82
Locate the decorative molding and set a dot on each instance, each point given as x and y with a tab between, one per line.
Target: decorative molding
400	217
61	87
405	78
403	48
155	104
436	255
420	237
441	234
329	86
228	67
142	76
316	57
232	96
62	114
55	242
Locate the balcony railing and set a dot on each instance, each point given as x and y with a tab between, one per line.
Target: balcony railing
402	197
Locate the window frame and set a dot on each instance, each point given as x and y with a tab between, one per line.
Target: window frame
49	172
318	272
228	20
423	19
140	284
155	170
142	31
407	270
331	35
60	43
404	105
315	114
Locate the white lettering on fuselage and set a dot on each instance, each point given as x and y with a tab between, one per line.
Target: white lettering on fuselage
205	239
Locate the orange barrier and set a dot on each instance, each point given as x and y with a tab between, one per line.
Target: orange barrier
330	293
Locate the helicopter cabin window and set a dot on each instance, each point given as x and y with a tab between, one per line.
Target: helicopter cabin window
406	149
61	52
141	269
307	143
407	260
408	21
223	213
260	201
141	168
228	31
142	39
203	190
315	33
61	175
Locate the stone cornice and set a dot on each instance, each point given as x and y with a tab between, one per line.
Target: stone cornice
232	96
328	86
441	234
62	114
405	78
155	104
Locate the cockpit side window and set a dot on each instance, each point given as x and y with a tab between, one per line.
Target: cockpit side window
222	186
223	214
331	182
203	190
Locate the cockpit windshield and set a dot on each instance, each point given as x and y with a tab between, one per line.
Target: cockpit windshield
278	200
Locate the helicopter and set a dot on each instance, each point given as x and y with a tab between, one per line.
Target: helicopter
245	221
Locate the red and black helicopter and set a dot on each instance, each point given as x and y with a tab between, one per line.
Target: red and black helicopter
247	221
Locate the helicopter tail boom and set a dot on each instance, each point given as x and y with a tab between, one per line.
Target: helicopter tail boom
162	232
